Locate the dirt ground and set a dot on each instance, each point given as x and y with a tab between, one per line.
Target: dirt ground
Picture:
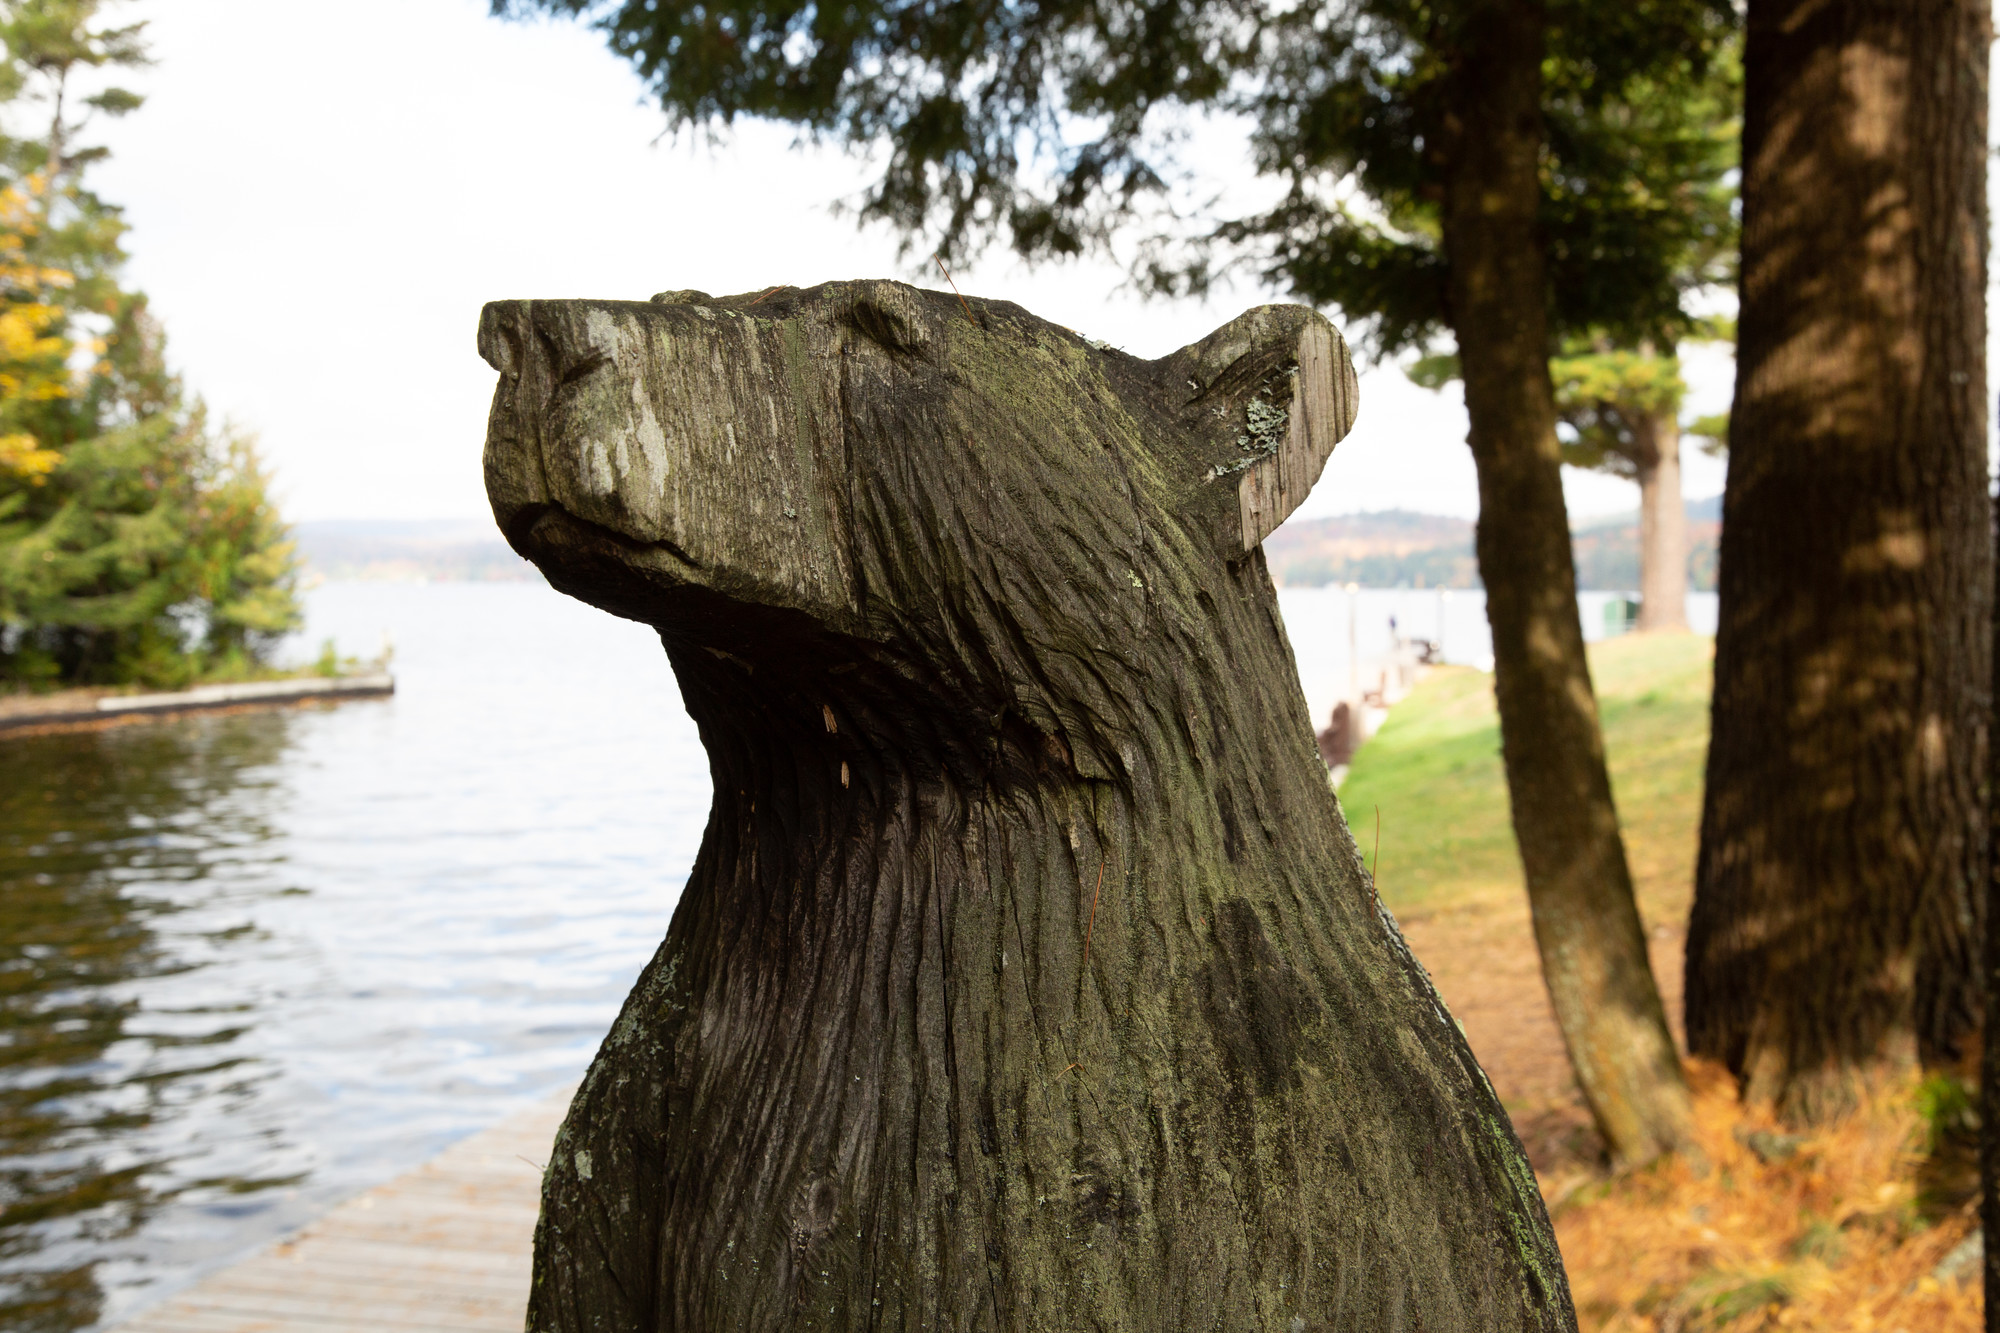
1484	962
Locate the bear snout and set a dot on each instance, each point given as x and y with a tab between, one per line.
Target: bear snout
687	440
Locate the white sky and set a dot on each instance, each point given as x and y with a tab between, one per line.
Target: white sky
322	197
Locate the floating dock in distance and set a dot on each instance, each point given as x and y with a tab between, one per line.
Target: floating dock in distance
116	707
446	1248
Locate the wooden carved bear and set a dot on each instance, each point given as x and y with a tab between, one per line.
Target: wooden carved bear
1028	977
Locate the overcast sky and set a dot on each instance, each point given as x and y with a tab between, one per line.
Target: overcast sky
321	197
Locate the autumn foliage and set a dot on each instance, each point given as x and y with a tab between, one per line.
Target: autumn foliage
1855	1226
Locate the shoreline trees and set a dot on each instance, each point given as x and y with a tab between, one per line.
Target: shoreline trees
138	541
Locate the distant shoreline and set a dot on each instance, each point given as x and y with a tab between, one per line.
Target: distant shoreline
1387	549
1399	548
410	551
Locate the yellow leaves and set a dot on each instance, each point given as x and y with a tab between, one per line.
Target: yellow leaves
34	353
25	338
23	455
21	211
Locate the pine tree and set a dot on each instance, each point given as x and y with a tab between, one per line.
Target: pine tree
137	541
1668	144
1622	408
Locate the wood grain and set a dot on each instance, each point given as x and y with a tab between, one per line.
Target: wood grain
1326	396
1028	977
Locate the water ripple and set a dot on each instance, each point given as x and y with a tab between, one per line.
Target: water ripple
250	964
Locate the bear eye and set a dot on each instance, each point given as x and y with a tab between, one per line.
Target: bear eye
885	328
592	362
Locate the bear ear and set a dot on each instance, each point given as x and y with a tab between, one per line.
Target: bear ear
1275	389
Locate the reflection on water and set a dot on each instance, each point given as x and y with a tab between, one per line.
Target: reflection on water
129	860
252	963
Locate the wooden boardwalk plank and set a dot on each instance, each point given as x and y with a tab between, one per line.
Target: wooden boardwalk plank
441	1249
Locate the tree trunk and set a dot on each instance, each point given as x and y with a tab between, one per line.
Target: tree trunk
1587	925
1028	977
1662	524
1989	1063
1835	930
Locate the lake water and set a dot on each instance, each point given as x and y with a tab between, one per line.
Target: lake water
251	964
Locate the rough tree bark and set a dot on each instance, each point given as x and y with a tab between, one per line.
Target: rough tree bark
1587	925
1662	523
1837	907
1027	977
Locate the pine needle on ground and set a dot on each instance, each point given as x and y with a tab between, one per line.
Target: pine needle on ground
1836	1229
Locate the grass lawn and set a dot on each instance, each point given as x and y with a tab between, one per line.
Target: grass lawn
1434	773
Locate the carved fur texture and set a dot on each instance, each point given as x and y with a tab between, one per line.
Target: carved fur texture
1028	977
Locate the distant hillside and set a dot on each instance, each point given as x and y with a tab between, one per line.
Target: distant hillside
1607	549
433	550
1393	548
1396	548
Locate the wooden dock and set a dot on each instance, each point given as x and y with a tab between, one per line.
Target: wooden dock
442	1249
91	709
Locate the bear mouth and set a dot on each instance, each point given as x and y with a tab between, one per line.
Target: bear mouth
549	526
631	577
740	661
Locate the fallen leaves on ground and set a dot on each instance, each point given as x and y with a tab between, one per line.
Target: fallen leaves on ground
1841	1228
